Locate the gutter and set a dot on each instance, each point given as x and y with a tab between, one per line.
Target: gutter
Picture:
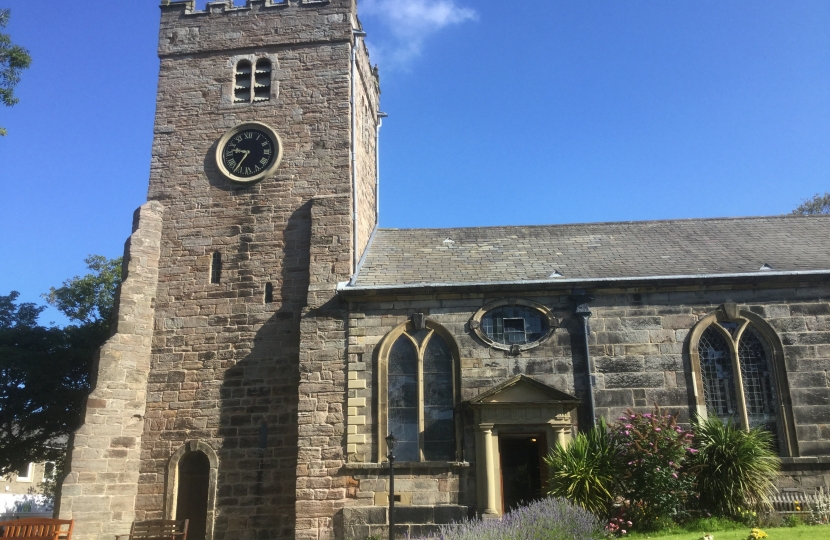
347	288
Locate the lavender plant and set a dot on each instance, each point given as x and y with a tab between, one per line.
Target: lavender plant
546	519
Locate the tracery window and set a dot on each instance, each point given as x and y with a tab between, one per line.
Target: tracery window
420	396
738	377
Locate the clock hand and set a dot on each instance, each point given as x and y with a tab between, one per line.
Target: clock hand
246	152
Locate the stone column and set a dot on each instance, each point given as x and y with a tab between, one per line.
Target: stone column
561	436
490	466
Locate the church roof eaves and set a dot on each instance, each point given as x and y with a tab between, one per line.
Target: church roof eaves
595	254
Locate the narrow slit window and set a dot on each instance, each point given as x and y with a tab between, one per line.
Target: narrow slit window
269	293
216	268
242	82
262	80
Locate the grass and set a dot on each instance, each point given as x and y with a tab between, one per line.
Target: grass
817	532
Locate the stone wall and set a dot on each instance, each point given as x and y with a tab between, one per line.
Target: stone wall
639	344
99	491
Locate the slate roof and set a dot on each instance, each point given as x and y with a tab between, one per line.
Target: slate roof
401	257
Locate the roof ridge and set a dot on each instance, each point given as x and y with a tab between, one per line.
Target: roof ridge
610	223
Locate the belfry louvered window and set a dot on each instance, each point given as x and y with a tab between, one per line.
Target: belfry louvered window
242	82
420	397
262	80
252	82
725	348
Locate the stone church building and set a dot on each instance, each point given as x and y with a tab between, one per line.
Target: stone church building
269	335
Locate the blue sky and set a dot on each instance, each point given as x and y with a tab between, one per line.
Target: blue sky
523	112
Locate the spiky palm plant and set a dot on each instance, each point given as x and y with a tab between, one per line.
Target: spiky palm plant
737	468
585	471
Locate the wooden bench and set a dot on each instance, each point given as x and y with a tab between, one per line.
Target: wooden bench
792	501
157	529
41	528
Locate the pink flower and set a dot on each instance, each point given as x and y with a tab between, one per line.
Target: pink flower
657	429
674	474
692	450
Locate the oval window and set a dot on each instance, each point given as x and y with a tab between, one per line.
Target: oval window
515	325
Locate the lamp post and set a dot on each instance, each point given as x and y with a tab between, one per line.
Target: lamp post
390	445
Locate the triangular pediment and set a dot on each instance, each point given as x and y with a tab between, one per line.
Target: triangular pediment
523	389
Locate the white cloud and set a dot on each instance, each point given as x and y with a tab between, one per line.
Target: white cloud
411	22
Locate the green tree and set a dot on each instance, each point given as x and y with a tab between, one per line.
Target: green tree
819	204
13	60
44	378
46	372
88	300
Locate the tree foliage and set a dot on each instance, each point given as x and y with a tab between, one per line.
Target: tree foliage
13	60
819	204
89	299
46	372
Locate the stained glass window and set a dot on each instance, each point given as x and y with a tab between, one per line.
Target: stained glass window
719	387
758	381
718	375
403	399
439	427
427	425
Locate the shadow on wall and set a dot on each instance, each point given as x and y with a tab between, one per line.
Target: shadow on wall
259	399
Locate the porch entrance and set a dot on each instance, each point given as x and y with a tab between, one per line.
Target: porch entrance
522	468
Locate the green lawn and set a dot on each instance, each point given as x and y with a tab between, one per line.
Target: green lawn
819	532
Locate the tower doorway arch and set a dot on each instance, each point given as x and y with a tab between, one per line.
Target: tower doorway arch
192	493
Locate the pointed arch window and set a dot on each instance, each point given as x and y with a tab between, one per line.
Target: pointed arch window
738	364
420	396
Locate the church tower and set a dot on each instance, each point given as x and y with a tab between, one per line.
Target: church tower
220	397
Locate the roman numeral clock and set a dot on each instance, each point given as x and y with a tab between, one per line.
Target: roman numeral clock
248	153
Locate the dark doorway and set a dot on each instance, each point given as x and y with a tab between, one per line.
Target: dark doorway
521	469
192	498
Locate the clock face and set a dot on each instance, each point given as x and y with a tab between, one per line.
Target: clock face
248	153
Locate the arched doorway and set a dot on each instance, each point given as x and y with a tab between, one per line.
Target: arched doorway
192	495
